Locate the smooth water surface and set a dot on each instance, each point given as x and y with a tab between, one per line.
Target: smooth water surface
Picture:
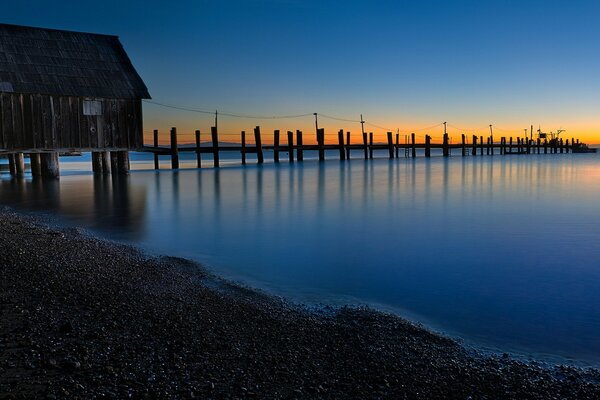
503	251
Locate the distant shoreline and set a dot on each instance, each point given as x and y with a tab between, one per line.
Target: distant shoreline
85	317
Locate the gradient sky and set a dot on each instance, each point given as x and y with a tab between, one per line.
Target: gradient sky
402	64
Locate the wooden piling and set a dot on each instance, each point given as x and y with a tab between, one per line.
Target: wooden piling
198	153
427	146
114	165
19	164
567	146
481	145
50	166
365	146
299	152
390	144
413	145
243	147
371	145
492	145
97	162
397	144
474	148
290	136
561	146
259	149
487	150
538	145
105	159
11	164
123	162
276	145
156	165
347	145
341	144
215	145
545	146
463	146
445	149
174	150
321	143
35	164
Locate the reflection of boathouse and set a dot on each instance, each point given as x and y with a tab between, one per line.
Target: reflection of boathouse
63	91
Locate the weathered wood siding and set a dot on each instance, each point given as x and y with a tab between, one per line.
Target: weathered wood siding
45	122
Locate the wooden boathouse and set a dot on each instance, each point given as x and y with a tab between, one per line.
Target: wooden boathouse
63	91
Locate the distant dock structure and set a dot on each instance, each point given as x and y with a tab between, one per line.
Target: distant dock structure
342	144
64	91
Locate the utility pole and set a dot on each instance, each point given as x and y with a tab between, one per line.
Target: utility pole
362	124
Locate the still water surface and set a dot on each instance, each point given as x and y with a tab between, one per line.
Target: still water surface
501	251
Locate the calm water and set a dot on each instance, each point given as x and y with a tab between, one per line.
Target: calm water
501	251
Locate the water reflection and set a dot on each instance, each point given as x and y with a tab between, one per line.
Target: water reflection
500	250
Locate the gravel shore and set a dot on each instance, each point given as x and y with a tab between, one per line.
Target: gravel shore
84	318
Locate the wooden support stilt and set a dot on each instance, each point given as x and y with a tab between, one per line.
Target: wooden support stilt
371	145
462	145
413	146
390	144
243	147
259	150
487	148
198	153
341	144
321	143
365	145
11	164
567	146
347	145
427	146
19	164
123	162
538	145
561	146
50	166
174	149
35	164
114	165
491	145
276	146
481	145
299	152
290	136
545	146
474	148
105	159
97	162
445	146
397	144
510	146
215	145
156	165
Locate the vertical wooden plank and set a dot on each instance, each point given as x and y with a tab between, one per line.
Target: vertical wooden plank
174	149
365	145
445	151
290	137
276	146
215	145
390	144
198	153
347	145
27	101
156	162
243	147
321	143
427	146
259	150
7	121
299	152
341	144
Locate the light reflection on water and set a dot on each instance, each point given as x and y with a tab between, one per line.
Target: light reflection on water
503	251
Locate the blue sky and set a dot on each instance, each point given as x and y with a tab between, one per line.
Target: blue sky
402	64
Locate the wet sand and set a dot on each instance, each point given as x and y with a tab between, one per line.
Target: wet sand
87	318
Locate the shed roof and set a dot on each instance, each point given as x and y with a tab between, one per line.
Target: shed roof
50	61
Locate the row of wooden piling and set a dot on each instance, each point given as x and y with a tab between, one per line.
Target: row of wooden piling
107	162
478	143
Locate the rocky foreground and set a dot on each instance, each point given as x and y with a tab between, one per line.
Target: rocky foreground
85	318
